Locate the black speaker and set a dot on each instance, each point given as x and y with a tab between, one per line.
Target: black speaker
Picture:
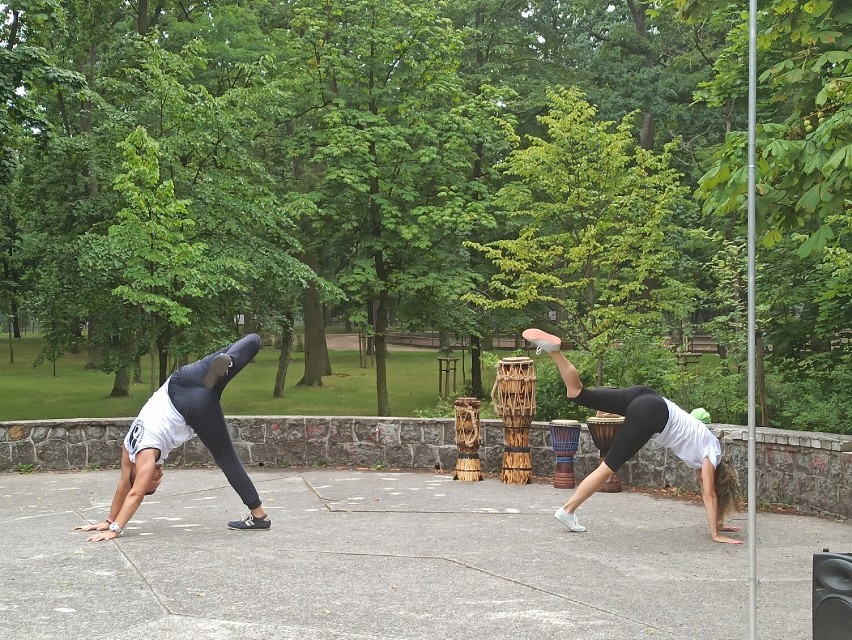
832	613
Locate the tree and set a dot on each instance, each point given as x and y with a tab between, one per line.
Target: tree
596	230
804	149
157	269
804	157
393	146
26	67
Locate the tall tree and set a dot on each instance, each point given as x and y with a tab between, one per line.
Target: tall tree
597	228
394	147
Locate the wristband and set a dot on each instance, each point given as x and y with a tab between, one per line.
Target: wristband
109	520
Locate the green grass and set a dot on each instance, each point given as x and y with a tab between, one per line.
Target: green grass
28	393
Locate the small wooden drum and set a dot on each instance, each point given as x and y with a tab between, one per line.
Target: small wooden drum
514	390
565	439
603	429
513	396
468	465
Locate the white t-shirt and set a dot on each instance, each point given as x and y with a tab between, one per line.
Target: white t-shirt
158	426
689	438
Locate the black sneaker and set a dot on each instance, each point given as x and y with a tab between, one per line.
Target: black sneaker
218	368
251	523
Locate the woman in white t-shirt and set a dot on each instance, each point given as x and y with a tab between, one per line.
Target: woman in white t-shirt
188	404
647	415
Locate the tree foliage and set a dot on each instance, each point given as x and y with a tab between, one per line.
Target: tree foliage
469	167
596	229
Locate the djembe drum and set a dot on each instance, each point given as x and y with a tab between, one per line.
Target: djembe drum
565	439
513	396
603	429
468	466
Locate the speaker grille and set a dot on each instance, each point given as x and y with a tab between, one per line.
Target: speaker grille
833	619
832	596
835	574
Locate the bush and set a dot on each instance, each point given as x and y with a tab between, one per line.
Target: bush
811	394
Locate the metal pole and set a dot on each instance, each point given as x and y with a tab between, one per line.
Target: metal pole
752	457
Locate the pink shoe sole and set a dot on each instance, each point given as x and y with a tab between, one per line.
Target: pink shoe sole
542	339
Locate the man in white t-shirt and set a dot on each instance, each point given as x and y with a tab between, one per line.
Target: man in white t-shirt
647	416
188	404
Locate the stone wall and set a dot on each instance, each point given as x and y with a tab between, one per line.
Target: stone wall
809	471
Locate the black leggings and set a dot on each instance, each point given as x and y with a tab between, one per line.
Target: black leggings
645	413
201	409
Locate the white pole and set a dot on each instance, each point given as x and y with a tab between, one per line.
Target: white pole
752	480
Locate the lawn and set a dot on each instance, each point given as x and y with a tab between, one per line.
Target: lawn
31	393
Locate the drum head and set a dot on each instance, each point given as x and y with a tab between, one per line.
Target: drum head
515	360
565	423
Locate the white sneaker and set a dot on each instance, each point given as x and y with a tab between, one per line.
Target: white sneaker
569	520
543	341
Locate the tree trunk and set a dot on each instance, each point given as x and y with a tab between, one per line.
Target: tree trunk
142	18
152	359
16	320
163	355
316	357
639	12
475	369
371	320
444	345
760	374
324	358
283	359
381	355
121	385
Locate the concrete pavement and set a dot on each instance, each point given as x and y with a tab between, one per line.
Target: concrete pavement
389	555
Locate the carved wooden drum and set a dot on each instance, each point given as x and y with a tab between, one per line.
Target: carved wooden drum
468	465
513	396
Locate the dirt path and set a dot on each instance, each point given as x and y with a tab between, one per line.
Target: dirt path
349	342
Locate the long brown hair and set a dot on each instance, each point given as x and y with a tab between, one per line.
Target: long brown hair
726	483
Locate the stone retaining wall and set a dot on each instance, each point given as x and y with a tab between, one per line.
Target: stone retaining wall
809	471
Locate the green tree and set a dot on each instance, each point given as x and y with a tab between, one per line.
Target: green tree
156	268
27	67
393	148
804	149
804	157
597	237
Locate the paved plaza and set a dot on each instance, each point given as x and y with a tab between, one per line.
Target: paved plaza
389	555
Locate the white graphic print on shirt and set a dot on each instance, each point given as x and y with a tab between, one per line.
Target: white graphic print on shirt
158	426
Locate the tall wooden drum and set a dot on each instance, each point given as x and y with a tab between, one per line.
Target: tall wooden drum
603	429
565	440
468	465
513	396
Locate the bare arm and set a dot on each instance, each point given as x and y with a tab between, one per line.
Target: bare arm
128	498
711	504
121	490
